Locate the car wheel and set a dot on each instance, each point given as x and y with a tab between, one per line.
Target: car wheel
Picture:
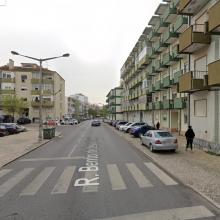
151	148
173	150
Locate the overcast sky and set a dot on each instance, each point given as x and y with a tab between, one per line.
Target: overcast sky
99	35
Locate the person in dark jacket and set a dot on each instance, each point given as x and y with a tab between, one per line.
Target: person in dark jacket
189	137
158	125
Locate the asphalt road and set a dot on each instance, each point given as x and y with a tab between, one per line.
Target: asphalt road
91	173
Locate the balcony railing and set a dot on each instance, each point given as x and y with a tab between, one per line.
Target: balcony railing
7	80
7	91
158	105
191	7
153	35
181	24
177	76
46	104
193	39
45	92
214	18
214	73
170	13
45	81
168	104
151	106
161	26
158	86
193	81
167	82
169	36
179	103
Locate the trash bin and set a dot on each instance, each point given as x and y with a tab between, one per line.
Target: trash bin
48	133
53	131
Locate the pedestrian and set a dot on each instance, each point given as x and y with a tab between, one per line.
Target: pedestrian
158	125
189	137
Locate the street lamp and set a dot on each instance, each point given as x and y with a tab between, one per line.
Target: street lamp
41	79
54	100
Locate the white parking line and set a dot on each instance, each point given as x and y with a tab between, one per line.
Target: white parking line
63	182
185	213
139	177
167	180
115	177
50	159
35	185
13	181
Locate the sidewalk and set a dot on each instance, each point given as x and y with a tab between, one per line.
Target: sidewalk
198	169
14	146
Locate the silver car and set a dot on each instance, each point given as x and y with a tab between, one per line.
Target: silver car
159	140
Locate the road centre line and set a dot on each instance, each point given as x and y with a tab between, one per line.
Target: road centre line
51	159
185	213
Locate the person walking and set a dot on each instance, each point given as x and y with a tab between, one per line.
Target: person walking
158	125
189	137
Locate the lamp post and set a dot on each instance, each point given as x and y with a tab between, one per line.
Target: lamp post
54	97
41	80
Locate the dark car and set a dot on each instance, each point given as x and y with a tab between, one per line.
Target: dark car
22	121
96	123
137	131
3	131
10	128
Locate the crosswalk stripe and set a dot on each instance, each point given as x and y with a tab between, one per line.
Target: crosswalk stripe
4	172
184	213
13	181
90	188
167	180
35	185
141	180
64	180
115	177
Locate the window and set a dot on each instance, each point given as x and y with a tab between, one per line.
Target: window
24	89
200	108
23	78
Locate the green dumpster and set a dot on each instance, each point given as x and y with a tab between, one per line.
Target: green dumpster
48	133
53	131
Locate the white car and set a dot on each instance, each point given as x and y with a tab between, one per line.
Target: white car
122	127
127	128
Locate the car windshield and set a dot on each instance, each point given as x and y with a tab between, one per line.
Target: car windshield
163	134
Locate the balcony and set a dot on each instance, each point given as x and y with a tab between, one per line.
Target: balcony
168	104
45	92
158	105
7	80
175	52
193	39
169	36
179	103
151	106
193	81
7	91
158	86
161	26
170	13
151	70
159	46
177	76
191	7
45	104
153	35
152	53
169	59
167	82
151	89
143	62
214	73
214	18
181	24
45	81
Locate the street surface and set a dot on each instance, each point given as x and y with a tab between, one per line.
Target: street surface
92	173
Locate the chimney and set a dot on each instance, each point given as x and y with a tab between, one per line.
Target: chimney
11	64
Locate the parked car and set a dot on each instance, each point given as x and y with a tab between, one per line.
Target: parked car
137	131
23	121
3	131
122	127
95	123
159	140
127	129
6	119
114	123
120	123
11	128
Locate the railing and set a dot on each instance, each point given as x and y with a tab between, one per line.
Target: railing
197	74
198	27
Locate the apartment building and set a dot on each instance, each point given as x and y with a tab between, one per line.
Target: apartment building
114	103
171	74
24	82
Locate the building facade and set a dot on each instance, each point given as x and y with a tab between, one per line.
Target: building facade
171	74
114	100
24	82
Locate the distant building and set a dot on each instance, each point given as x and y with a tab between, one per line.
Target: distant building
114	100
24	82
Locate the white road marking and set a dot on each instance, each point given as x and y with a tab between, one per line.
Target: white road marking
167	180
39	180
71	152
13	181
51	159
141	180
4	172
64	180
115	177
90	175
185	213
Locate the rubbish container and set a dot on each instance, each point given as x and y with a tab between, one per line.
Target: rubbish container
48	133
53	131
